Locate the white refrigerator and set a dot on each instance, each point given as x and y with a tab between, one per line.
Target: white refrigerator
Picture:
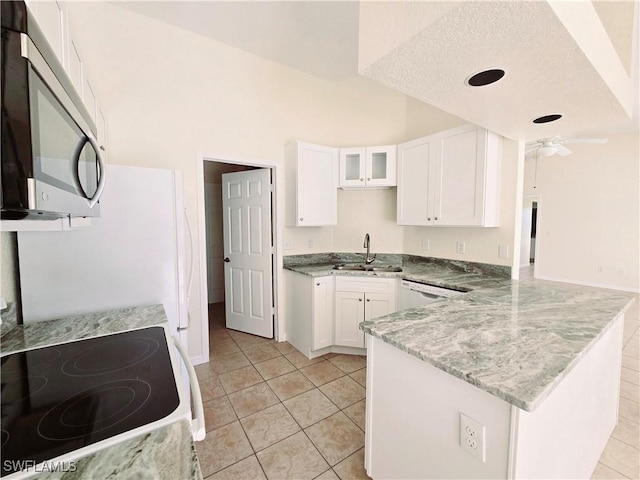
133	254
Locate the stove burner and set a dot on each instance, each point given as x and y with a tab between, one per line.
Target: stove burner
99	360
21	388
37	358
94	410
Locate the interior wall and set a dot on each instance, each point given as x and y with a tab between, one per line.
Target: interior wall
170	95
588	215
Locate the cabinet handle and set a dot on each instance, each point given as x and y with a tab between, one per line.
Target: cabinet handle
301	219
362	179
359	299
436	218
368	299
368	179
317	284
428	219
226	260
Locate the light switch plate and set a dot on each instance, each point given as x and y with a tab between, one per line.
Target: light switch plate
425	244
460	246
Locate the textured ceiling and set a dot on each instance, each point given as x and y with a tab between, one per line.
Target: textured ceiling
555	61
552	65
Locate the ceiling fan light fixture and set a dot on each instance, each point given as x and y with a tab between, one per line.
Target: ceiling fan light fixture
486	77
547	150
548	118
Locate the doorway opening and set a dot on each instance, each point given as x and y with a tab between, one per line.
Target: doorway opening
529	246
212	253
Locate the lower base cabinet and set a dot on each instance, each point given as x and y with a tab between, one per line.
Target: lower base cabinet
359	299
324	313
310	309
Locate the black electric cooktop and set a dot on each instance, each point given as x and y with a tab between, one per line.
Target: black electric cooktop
64	397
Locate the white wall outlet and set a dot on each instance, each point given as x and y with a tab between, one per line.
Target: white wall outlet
460	246
621	271
425	244
503	251
472	437
310	243
288	245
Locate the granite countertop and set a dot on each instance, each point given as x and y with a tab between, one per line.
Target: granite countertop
516	341
438	272
165	453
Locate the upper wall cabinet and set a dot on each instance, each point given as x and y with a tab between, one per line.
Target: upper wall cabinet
312	176
368	167
450	178
50	17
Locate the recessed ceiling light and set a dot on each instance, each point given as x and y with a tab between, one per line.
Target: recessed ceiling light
548	118
485	77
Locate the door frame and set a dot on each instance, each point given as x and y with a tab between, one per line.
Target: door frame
527	201
277	225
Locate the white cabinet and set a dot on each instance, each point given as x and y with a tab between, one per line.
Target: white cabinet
368	166
50	17
312	177
310	310
322	312
359	299
450	178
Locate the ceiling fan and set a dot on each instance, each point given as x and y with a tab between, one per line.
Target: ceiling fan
545	147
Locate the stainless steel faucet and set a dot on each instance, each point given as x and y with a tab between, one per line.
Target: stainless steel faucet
368	259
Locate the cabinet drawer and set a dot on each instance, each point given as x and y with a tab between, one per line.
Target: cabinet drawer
365	284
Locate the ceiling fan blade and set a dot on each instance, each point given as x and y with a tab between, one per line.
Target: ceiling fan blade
562	150
586	140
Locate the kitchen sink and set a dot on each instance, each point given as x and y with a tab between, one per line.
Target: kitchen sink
366	268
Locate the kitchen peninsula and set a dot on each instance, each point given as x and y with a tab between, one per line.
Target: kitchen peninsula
516	381
531	366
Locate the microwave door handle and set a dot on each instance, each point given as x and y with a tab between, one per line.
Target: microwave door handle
103	172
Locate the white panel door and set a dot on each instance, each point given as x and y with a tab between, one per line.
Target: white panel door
246	206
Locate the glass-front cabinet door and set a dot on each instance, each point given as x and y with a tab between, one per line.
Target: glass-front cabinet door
380	166
352	167
368	166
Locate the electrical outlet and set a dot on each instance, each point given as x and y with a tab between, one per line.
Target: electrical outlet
425	244
621	271
472	437
460	246
288	245
503	251
310	243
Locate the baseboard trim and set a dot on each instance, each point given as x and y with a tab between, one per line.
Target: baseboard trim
590	284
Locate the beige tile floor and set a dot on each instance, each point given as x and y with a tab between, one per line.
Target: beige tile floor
273	414
621	457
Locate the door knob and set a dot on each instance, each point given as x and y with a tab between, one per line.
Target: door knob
226	260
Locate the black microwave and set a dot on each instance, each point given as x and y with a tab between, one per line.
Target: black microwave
52	164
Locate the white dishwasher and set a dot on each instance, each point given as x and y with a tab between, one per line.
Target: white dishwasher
413	294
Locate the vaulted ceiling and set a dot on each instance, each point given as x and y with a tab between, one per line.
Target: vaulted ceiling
578	59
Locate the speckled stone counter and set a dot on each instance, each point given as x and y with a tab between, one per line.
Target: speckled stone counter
165	453
77	327
516	341
438	272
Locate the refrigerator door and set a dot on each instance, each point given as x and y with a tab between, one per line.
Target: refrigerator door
131	255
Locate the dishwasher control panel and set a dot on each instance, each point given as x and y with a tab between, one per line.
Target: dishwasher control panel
430	289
